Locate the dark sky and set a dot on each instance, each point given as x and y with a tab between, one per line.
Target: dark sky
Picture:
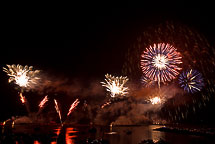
87	36
86	39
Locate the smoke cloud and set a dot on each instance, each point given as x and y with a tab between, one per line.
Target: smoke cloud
135	109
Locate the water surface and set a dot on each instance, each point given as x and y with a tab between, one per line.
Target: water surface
70	134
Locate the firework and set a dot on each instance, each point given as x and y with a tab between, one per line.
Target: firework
74	104
23	76
106	104
147	82
57	109
196	53
155	100
42	103
191	81
22	98
160	62
115	85
24	101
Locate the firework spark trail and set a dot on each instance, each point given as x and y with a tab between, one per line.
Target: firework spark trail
115	85
191	80
58	110
23	76
74	104
105	104
25	102
159	62
22	98
42	103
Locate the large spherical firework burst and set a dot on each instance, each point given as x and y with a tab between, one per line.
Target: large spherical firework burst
23	76
115	85
160	62
191	80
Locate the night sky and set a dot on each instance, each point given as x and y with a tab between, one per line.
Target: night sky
84	40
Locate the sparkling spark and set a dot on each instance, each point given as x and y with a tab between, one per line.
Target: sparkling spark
22	98
58	110
106	104
115	85
74	104
42	103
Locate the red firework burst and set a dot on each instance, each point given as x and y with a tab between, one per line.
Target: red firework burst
160	62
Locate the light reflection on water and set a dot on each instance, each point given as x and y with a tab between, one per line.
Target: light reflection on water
134	134
115	134
57	132
70	138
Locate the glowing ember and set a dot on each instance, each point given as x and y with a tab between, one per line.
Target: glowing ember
23	76
22	98
42	103
155	100
74	104
160	62
58	110
115	85
106	104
